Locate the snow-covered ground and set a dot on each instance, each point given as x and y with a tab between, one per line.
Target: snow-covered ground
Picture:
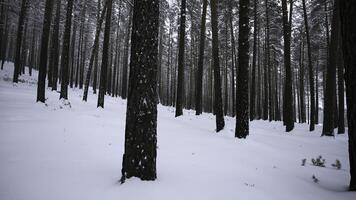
54	151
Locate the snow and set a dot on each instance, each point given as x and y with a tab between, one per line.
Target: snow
62	151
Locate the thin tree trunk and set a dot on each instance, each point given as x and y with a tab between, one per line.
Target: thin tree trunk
180	86
93	53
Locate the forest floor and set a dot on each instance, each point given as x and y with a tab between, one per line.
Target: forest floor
62	151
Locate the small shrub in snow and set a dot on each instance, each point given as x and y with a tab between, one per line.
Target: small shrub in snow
315	179
304	161
319	161
337	164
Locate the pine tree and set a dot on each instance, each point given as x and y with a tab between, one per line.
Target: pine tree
254	61
180	79
93	53
139	159
41	84
105	57
199	79
218	107
311	71
330	87
242	113
20	26
65	51
288	95
348	29
55	47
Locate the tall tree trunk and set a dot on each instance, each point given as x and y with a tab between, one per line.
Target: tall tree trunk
288	95
218	107
199	79
233	61
65	51
105	57
180	86
125	61
93	53
3	47
301	84
253	81
330	88
242	115
341	89
55	47
72	53
19	33
139	159
348	29
41	84
311	71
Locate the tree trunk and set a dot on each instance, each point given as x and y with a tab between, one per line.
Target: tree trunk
330	88
242	115
288	95
93	53
233	61
105	57
41	85
218	107
348	29
253	81
125	61
341	89
19	40
139	159
180	86
311	71
55	47
65	51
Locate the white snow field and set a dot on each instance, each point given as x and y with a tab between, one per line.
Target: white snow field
54	151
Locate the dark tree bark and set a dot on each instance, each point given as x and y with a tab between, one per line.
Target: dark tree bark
93	53
218	107
199	81
348	29
288	95
72	53
253	81
242	115
105	57
180	86
265	80
233	61
341	89
311	71
139	159
65	51
55	47
20	26
3	47
330	87
268	50
301	85
41	84
125	60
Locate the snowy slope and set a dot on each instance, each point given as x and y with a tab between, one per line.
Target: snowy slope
61	152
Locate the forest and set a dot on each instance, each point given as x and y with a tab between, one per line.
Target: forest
174	92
